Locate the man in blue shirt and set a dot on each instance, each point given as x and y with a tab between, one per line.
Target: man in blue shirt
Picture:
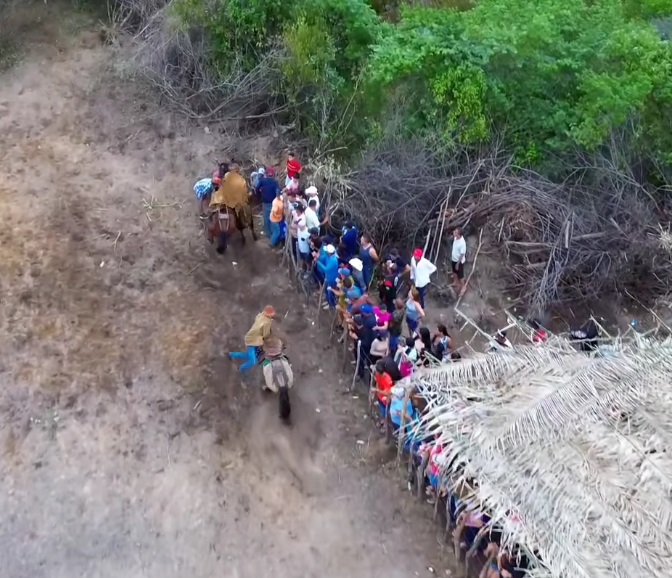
327	264
268	188
350	238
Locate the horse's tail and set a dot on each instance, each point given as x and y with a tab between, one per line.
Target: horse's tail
283	402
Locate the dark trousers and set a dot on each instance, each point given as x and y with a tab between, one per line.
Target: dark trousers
364	360
422	291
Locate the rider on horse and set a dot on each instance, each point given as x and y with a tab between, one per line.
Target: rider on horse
225	204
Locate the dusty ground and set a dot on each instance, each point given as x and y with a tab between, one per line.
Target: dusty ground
128	446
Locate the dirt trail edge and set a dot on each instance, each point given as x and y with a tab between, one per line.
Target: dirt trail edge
128	446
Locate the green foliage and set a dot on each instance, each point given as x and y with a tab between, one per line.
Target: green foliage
551	76
237	29
556	75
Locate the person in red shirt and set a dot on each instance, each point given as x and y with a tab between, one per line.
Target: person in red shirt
384	384
293	168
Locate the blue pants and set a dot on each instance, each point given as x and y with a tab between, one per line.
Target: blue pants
331	298
367	274
250	355
266	211
276	233
394	341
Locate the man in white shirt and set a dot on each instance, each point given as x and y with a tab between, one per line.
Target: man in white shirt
458	258
301	248
312	220
421	270
311	193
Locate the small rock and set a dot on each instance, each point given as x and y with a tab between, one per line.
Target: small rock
430	569
234	263
317	409
206	130
102	264
360	442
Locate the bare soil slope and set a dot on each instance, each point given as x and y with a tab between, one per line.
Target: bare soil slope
128	446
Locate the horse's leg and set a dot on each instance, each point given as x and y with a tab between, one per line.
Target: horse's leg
221	242
254	234
211	230
240	227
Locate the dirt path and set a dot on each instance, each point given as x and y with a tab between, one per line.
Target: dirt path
128	447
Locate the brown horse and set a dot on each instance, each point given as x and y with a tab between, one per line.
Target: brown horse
222	222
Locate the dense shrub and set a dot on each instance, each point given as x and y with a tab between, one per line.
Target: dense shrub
555	75
553	80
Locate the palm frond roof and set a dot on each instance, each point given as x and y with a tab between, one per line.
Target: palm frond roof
578	447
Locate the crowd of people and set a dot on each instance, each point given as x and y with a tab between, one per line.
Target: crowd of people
379	301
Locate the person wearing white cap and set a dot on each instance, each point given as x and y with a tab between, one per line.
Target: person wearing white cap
358	272
327	264
311	193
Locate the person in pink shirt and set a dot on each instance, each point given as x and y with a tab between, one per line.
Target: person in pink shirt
383	317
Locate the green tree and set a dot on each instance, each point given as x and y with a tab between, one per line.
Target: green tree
554	75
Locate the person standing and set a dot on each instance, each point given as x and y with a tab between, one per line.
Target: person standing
458	258
368	257
293	169
349	235
421	271
328	267
312	220
414	310
298	227
268	189
254	339
277	219
357	273
311	193
396	323
303	246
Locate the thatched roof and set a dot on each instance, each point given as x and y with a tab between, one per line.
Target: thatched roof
579	447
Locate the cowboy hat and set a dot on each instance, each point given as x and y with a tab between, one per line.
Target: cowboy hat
356	263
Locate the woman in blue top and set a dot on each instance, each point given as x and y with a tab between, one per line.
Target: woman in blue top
414	311
368	257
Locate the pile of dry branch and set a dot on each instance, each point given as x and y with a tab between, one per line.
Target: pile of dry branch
176	61
559	242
